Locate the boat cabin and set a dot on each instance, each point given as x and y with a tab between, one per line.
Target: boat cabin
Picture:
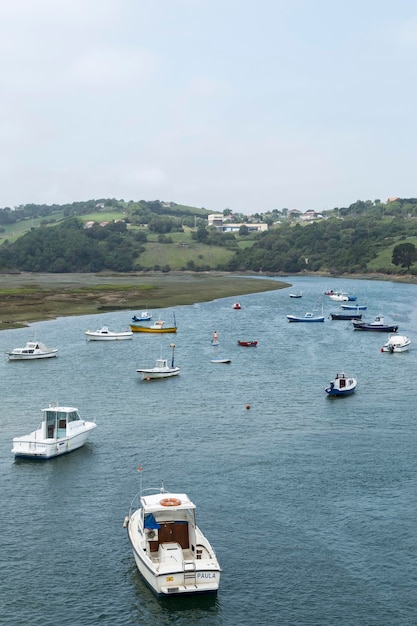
56	421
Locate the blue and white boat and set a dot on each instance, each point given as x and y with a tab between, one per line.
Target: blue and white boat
354	307
342	385
145	316
308	317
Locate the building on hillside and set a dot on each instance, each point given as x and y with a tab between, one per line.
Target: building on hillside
218	221
310	216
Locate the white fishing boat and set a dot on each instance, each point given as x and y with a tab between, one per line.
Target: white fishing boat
32	350
172	554
396	343
61	431
162	369
104	334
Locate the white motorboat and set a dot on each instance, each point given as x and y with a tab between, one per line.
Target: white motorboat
339	296
62	430
162	369
104	334
396	343
170	551
32	350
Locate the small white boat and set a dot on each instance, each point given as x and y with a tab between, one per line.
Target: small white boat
396	343
298	294
339	296
32	350
104	334
342	385
171	552
221	360
161	369
62	430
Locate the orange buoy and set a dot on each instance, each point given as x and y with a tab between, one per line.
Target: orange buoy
170	502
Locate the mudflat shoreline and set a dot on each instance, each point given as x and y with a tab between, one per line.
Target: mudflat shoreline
29	297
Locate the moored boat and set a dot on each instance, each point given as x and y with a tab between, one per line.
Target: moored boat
396	343
378	325
158	327
145	316
298	294
32	350
162	369
221	360
354	307
308	317
61	431
104	334
346	316
342	385
171	552
247	344
339	296
236	306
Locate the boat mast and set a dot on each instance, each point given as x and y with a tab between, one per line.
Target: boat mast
172	346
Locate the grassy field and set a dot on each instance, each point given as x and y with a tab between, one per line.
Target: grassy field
26	298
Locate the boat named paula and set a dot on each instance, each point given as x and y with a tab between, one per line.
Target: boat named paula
171	552
62	430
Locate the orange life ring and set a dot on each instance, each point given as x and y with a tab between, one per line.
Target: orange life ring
170	502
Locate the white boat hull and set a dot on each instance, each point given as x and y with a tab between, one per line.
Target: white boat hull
15	356
396	343
173	570
104	334
30	446
153	374
62	430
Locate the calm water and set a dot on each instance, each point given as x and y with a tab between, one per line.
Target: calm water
310	502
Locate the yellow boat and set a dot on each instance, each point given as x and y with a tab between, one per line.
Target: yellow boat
158	327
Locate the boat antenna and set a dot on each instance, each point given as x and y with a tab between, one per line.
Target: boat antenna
140	468
172	346
175	321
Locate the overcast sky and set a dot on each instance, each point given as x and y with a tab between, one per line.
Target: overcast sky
251	105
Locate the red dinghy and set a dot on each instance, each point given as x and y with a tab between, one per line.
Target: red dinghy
247	344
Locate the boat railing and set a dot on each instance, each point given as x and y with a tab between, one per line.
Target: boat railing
135	504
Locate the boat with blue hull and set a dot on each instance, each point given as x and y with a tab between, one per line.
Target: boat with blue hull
378	325
346	316
354	307
308	317
342	385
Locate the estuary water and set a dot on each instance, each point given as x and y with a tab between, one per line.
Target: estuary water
310	502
